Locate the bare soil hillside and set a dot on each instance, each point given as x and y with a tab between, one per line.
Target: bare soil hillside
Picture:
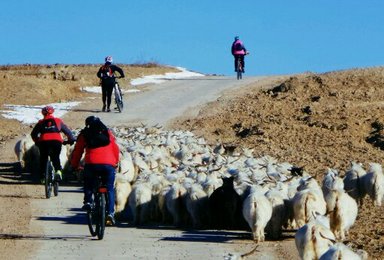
311	120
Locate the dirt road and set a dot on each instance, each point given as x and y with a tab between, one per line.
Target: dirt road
58	227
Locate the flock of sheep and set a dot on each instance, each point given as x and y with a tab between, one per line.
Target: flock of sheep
174	177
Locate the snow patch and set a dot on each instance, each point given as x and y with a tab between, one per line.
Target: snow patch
32	114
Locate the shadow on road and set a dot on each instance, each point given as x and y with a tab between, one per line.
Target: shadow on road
209	236
41	237
78	218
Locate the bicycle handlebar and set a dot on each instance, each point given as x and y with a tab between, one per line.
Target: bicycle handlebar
68	142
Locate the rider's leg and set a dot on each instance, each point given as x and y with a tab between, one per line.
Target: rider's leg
55	150
236	58
104	96
242	61
109	180
89	180
109	96
43	150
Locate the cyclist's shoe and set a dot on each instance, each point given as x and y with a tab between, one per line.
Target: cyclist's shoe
103	109
110	221
58	175
87	206
108	109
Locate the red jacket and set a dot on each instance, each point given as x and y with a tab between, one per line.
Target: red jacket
108	154
39	133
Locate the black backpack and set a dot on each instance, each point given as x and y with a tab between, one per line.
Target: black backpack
49	126
96	135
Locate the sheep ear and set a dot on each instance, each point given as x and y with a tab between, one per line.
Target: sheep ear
326	236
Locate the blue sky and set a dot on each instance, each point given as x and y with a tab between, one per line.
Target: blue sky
283	37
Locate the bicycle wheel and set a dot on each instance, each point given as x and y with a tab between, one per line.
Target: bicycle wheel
239	74
92	219
100	227
48	179
239	69
118	99
56	188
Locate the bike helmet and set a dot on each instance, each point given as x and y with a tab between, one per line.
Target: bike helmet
91	120
47	110
237	38
109	59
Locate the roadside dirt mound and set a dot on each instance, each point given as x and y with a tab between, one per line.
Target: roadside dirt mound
311	120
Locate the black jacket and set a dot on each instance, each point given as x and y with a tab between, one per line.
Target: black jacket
109	79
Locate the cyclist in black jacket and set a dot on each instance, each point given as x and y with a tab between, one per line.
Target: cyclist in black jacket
106	74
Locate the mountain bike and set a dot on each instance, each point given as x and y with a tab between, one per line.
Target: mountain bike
96	216
50	181
118	97
240	67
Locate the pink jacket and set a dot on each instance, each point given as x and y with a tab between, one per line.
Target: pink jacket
236	51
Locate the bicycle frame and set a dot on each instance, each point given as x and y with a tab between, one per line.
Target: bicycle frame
239	69
118	97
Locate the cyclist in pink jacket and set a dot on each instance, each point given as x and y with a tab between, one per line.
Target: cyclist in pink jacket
238	51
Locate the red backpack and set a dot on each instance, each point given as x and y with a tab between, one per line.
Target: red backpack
106	72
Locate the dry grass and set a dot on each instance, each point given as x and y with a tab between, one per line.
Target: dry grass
31	84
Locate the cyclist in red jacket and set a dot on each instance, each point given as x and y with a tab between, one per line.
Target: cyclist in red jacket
101	158
47	136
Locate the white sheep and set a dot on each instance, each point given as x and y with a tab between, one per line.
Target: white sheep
211	183
354	182
139	202
27	154
126	166
374	183
342	210
122	190
307	200
175	203
197	205
166	216
332	181
279	213
339	251
314	238
257	211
